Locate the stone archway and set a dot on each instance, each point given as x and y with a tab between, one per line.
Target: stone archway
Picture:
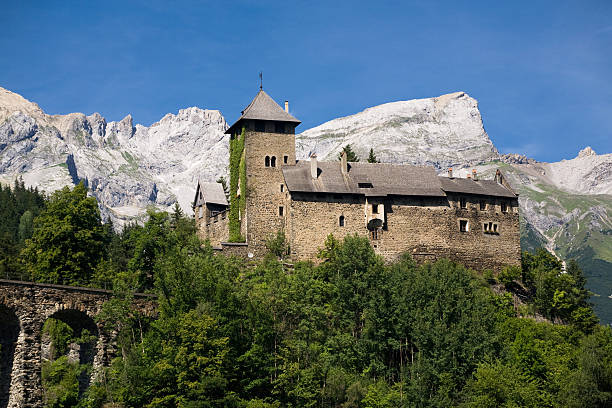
79	349
9	332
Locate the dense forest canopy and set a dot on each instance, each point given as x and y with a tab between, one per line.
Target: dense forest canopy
348	331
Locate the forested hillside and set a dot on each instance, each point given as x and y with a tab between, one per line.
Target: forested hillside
350	331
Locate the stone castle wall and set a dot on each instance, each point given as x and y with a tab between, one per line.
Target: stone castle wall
427	228
264	196
218	228
214	228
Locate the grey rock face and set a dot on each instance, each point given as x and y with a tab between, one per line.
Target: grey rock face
127	167
444	131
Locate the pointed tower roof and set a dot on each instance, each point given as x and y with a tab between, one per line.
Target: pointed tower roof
263	107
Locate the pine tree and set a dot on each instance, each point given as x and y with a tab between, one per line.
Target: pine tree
372	157
351	156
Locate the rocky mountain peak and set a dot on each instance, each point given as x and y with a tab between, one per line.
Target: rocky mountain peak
444	131
587	151
11	102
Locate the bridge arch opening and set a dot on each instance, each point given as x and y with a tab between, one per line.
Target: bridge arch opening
68	344
9	332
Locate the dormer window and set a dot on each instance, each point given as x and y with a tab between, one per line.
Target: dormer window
365	185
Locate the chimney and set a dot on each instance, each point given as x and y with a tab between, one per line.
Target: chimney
450	172
343	164
474	177
498	177
287	106
314	171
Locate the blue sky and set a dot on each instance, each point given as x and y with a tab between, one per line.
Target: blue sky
541	70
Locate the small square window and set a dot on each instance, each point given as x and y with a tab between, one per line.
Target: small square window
462	202
463	225
281	210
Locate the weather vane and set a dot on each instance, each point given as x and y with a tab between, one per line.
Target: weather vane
260	80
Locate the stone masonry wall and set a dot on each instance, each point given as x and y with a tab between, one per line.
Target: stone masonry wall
33	304
427	228
218	228
264	196
214	228
312	219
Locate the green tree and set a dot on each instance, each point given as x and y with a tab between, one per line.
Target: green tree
187	362
68	240
351	156
372	157
26	226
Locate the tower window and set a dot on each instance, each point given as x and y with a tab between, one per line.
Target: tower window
375	234
281	210
490	228
285	159
260	126
504	207
374	208
273	161
483	205
267	161
463	225
282	188
341	221
462	202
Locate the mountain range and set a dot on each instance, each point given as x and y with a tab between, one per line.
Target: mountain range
566	206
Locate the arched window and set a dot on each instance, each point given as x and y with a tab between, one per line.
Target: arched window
341	221
273	161
267	161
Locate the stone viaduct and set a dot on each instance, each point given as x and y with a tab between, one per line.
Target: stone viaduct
24	308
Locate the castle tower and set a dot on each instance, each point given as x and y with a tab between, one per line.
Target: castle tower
269	144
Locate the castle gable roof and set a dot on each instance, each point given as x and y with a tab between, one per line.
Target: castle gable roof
369	179
210	193
263	107
478	187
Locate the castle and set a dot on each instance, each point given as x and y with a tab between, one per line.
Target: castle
400	208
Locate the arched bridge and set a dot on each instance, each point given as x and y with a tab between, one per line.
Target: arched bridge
24	308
